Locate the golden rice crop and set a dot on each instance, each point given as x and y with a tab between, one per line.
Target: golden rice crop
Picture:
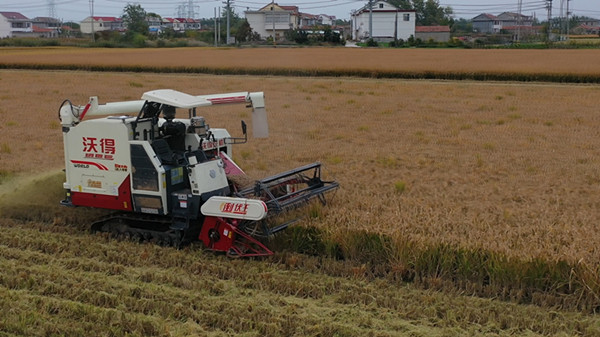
267	60
504	168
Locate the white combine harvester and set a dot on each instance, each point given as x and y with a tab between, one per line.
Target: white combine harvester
171	180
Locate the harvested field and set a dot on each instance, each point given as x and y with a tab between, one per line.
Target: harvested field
502	175
50	285
524	65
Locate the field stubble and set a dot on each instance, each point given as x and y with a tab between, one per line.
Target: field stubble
506	168
51	286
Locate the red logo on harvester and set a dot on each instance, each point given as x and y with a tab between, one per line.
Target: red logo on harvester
103	148
234	208
86	164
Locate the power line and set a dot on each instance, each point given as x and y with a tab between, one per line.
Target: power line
34	5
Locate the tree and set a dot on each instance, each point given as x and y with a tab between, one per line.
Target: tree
402	4
244	32
73	25
134	18
429	12
434	14
299	36
341	22
462	26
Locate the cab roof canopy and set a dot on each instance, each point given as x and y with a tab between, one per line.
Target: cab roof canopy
175	98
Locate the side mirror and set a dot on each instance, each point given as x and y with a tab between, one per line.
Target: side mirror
234	140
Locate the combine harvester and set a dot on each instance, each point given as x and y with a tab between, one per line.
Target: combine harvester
173	180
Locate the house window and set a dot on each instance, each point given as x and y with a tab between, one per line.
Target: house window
380	5
278	18
406	17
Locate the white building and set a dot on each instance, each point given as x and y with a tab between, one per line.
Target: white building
100	23
13	24
388	22
327	19
273	20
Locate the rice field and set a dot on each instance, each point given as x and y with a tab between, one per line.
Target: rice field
488	188
501	167
513	162
571	65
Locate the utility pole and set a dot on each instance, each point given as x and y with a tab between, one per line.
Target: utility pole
396	27
519	20
370	19
561	20
216	43
549	7
228	9
568	13
92	21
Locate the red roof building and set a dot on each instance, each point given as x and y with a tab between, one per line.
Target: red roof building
14	24
433	33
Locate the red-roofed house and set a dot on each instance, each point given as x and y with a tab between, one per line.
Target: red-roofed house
587	29
523	32
273	20
177	24
435	33
587	26
44	32
14	24
46	27
100	23
308	20
67	31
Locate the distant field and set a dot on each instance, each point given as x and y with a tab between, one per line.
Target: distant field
571	65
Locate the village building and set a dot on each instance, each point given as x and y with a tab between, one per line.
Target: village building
274	20
14	24
101	23
387	21
433	33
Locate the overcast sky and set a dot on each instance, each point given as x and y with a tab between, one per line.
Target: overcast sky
77	10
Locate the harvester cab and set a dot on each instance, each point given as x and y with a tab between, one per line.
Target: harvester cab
173	180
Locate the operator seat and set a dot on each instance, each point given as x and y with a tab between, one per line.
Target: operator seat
163	152
173	131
